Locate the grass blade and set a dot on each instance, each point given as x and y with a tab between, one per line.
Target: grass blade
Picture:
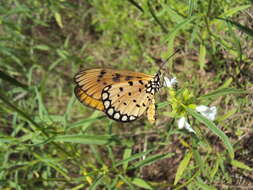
133	157
240	27
85	139
182	166
141	183
150	160
214	129
222	92
241	165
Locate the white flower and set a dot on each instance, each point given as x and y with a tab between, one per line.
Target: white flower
208	112
169	82
182	123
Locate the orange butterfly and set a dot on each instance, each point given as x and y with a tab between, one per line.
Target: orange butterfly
123	95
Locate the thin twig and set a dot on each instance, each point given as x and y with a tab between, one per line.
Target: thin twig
164	29
136	5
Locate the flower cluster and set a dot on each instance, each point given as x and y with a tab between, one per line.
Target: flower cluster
186	98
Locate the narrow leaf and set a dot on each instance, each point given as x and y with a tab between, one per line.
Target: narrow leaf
141	183
214	129
150	160
97	181
222	92
202	56
240	27
134	157
182	166
241	165
58	19
85	139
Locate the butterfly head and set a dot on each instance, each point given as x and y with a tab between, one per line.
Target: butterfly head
155	84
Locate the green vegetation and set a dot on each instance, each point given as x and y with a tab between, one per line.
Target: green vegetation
51	141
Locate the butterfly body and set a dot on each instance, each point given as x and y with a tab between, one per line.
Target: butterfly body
122	95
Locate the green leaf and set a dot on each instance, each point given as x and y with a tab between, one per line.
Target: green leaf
214	129
203	185
23	114
202	56
241	165
199	161
234	10
150	160
222	92
240	27
227	83
127	181
182	166
141	183
126	155
96	182
134	157
8	139
58	19
173	33
178	27
42	47
215	168
85	139
227	114
85	123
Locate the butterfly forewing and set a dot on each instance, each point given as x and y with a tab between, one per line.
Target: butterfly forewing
93	81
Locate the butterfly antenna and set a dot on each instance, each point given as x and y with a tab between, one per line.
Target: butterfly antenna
166	61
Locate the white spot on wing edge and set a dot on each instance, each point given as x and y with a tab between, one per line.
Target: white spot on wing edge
105	95
110	111
107	104
106	88
132	117
116	116
124	118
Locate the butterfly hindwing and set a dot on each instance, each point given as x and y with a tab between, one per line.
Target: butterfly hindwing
88	100
126	101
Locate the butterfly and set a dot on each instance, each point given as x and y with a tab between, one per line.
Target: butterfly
123	95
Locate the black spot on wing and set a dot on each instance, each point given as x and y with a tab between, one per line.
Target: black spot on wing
128	78
116	77
130	83
102	72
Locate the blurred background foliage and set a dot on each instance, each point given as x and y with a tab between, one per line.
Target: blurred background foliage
50	141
